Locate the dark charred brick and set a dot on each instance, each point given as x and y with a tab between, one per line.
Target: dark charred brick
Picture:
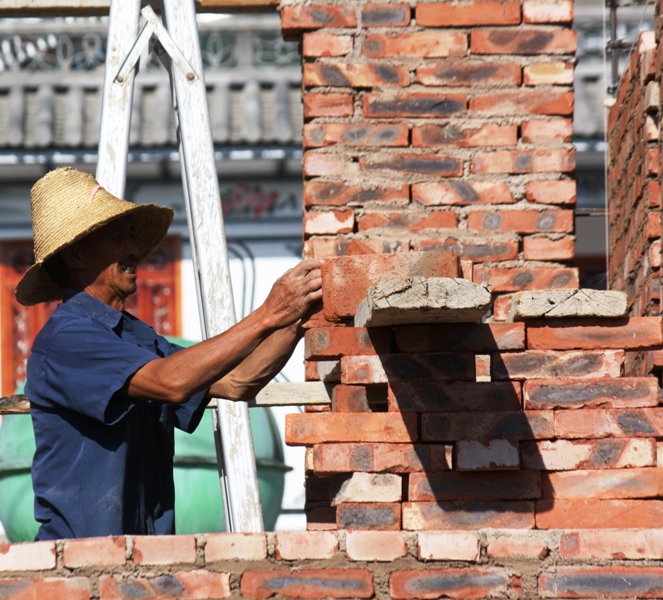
632	423
492	221
311	583
333	76
546	221
425	164
603	582
530	42
451	583
436	366
413	105
369	516
167	584
522	163
464	74
387	74
477	252
489	486
379	15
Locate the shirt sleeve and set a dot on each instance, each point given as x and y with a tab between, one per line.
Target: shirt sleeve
87	364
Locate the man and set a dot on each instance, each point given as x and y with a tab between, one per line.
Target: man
105	390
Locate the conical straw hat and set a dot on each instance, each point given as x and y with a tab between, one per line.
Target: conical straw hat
66	206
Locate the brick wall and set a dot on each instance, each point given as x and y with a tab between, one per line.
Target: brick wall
441	126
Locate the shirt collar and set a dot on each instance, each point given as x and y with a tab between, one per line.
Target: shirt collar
92	307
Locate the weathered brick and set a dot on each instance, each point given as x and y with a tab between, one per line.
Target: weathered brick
375	516
366	487
305	545
346	280
565	455
357	398
322	193
517	279
468	14
604	483
104	551
418	104
448	545
385	15
418	516
197	585
381	457
354	75
598	514
551	192
425	44
308	583
381	546
545	248
523	40
51	588
635	333
36	556
493	455
328	105
535	11
467	74
602	582
518	544
556	129
610	544
429	136
625	392
164	549
471	487
502	307
318	44
600	423
522	221
436	427
472	248
525	102
541	364
306	429
426	396
298	18
329	222
550	73
462	193
235	546
458	337
524	161
453	583
323	163
323	370
390	368
355	134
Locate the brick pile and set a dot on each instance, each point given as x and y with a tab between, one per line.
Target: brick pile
634	188
441	126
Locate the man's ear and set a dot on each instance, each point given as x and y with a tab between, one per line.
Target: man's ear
73	256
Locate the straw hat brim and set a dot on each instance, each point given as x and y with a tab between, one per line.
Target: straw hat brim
151	223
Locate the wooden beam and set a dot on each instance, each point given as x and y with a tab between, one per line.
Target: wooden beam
95	8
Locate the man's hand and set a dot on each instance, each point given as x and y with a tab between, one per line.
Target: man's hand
294	292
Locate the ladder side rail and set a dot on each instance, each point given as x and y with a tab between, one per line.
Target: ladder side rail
201	181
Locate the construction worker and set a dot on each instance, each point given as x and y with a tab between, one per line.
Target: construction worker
105	390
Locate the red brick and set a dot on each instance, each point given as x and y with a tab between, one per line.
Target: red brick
418	396
376	516
306	429
565	455
36	556
441	219
298	18
551	192
319	44
448	545
235	546
334	342
523	40
164	550
547	130
462	193
323	163
470	487
544	248
197	585
435	165
502	307
340	246
604	484
468	14
624	392
104	551
49	588
418	516
518	279
305	545
320	518
354	75
540	364
602	582
355	134
426	44
598	514
322	370
437	427
453	583
468	337
522	221
355	398
521	545
467	74
380	457
308	583
470	248
347	279
535	11
383	546
328	105
413	104
653	225
391	368
569	334
322	193
526	102
329	222
523	161
550	73
432	136
385	15
612	544
600	423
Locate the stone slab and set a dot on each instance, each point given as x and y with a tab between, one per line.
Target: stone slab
568	303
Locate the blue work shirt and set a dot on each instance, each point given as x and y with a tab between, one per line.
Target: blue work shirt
104	461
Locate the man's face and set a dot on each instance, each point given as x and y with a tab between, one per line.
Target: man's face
110	256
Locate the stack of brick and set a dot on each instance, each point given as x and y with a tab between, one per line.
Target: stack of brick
522	424
634	190
441	126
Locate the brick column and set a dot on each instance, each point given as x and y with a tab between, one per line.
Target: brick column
441	126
